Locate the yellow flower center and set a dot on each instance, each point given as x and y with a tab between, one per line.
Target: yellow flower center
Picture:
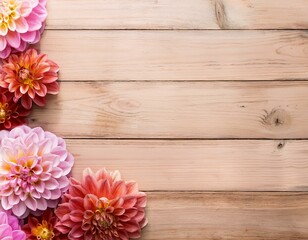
43	231
25	76
9	12
4	112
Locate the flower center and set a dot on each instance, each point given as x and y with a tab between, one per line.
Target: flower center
4	112
43	231
9	12
99	223
25	77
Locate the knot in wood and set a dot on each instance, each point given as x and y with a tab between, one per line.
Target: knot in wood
276	118
220	13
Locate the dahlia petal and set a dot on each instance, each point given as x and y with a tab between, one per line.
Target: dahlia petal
75	233
41	204
34	22
90	202
19	235
3	43
26	102
31	203
53	88
13	38
51	184
28	36
5	230
21	25
76	215
6	52
13	199
3	218
131	226
40	101
19	209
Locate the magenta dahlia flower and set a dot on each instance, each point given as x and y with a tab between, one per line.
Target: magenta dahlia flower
9	228
21	23
34	170
102	206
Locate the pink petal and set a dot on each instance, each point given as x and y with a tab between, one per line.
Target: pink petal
2	43
13	38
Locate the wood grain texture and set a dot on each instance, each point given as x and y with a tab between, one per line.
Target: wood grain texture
199	165
178	55
179	14
177	110
227	216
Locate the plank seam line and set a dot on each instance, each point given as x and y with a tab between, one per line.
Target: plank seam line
186	139
174	29
220	191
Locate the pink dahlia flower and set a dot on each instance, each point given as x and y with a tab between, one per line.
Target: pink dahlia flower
30	76
102	206
9	228
21	23
34	170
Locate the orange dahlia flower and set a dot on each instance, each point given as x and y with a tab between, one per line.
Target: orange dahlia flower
30	76
102	206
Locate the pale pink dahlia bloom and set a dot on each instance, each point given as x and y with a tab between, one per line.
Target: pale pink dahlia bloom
9	228
102	207
21	23
34	170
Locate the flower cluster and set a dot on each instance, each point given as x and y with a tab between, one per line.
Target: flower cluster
39	199
26	78
36	187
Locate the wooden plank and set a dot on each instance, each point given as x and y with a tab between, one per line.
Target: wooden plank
228	216
177	110
199	165
178	55
179	14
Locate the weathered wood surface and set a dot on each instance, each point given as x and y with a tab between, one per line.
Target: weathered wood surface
227	216
178	55
186	113
199	165
178	14
177	110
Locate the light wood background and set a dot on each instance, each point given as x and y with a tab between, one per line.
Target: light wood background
203	102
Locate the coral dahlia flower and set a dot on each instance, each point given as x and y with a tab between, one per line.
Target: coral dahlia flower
34	170
21	23
30	76
12	114
43	227
102	206
9	228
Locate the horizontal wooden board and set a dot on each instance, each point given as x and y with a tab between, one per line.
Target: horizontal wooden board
177	110
199	165
178	55
227	216
179	14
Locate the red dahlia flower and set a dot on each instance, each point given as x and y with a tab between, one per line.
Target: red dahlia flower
102	207
43	227
12	114
30	76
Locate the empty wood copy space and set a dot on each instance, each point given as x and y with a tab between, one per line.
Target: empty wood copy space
203	102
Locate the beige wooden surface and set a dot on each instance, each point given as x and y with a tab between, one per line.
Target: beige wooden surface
178	110
179	14
178	55
230	216
203	102
200	165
